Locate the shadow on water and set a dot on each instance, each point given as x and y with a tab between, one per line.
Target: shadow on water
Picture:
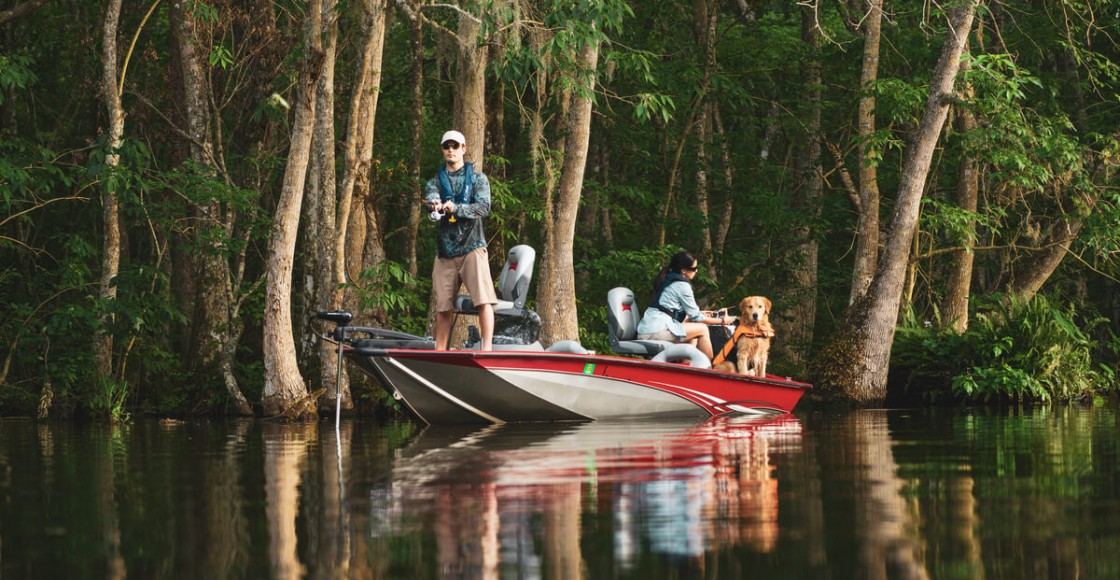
866	494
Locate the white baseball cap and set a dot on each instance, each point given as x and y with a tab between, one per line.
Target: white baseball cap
453	136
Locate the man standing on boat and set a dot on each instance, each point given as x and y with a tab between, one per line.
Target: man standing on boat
461	196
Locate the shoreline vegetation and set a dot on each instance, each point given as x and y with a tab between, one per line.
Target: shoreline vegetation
926	193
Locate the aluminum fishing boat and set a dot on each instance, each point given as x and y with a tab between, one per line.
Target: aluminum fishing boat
521	383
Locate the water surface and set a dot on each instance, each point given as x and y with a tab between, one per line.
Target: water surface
868	494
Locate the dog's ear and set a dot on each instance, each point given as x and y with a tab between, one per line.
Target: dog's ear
766	301
744	304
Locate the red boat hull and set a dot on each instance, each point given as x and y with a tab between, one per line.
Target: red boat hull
449	387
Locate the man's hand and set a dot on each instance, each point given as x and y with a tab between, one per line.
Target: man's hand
448	207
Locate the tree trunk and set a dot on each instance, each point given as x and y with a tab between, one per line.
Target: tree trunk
283	386
20	10
723	225
470	88
213	300
321	232
1028	278
800	317
359	149
705	23
867	226
111	243
855	364
414	169
954	308
556	294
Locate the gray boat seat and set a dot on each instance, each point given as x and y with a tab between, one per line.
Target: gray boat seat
514	325
622	326
513	284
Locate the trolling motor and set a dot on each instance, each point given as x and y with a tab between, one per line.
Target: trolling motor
340	318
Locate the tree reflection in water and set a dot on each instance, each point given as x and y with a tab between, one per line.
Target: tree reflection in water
674	489
868	494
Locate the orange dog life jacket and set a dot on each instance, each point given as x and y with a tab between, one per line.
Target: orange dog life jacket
766	331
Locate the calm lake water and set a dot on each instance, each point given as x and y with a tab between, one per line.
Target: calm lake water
869	494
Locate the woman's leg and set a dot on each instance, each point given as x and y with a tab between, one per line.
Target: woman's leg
698	332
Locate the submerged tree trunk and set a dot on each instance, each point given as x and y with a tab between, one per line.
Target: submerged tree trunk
855	364
111	242
214	328
284	386
556	294
867	227
321	232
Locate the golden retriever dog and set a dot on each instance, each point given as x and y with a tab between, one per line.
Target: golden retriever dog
751	341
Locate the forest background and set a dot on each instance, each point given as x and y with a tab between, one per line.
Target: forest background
925	189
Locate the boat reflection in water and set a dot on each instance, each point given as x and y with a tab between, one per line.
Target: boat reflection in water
543	499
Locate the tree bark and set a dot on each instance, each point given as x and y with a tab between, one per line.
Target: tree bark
705	23
799	318
867	226
321	232
111	242
470	87
284	386
556	294
954	308
855	364
213	327
1029	276
414	169
358	156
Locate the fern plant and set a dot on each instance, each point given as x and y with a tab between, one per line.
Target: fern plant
1014	350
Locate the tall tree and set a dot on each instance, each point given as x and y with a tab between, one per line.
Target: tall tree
801	316
556	292
470	81
284	386
954	307
867	226
855	363
320	211
213	300
111	235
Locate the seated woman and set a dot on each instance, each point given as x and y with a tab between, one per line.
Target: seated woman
673	314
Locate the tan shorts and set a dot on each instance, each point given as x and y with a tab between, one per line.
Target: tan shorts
472	270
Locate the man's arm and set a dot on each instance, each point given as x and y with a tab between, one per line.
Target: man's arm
431	192
480	206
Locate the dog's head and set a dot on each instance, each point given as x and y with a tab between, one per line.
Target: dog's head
754	309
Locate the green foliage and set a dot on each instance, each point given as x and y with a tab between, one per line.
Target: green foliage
394	295
1012	351
106	398
16	73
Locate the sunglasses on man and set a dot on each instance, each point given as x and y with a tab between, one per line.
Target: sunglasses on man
450	145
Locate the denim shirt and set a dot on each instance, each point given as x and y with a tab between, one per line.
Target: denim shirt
465	234
677	296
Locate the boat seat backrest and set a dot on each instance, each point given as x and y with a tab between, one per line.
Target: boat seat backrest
513	284
622	315
517	273
622	326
